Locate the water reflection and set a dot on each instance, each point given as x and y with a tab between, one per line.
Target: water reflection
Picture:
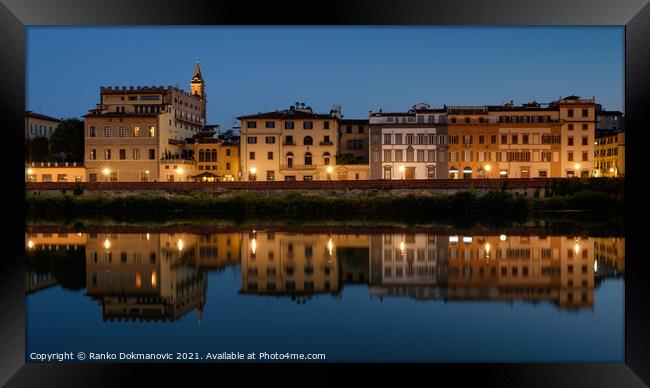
162	276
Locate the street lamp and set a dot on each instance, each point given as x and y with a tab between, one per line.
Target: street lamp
329	170
401	169
252	173
577	169
487	170
180	172
106	172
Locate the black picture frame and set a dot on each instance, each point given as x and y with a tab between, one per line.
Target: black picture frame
15	15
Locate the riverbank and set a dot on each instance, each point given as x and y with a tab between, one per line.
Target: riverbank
470	205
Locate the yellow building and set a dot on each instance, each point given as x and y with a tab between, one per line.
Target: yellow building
37	124
138	134
216	160
55	172
292	144
609	155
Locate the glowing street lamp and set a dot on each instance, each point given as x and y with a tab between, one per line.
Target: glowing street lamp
503	237
107	244
252	174
487	170
30	171
402	169
30	244
180	246
329	170
107	172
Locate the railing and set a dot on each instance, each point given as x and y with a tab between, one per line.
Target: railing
54	164
287	143
326	143
178	161
298	166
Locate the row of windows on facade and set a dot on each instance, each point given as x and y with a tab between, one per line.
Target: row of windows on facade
211	155
137	257
482	156
289	270
307	158
42	130
288	124
135	131
48	178
213	167
307	140
289	286
514	139
605	165
142	109
606	152
122	154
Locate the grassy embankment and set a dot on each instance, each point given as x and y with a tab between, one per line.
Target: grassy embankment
598	195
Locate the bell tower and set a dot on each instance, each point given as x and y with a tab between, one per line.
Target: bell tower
197	88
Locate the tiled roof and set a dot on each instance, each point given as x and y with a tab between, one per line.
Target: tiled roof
35	115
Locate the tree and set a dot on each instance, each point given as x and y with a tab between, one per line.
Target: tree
39	149
67	141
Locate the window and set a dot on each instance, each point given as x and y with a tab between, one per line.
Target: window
585	156
326	125
387	172
387	154
493	139
308	125
107	154
61	177
570	112
269	155
453	139
214	155
288	125
557	139
107	131
270	140
348	129
42	130
91	131
398	138
431	157
152	131
92	177
570	126
524	139
136	131
420	156
46	177
228	152
360	129
585	126
270	124
113	176
585	113
251	155
308	140
326	140
398	155
270	175
570	141
546	156
467	139
93	154
308	159
227	166
481	139
144	176
251	139
570	157
585	140
152	154
504	139
136	153
387	138
326	158
122	154
251	124
515	139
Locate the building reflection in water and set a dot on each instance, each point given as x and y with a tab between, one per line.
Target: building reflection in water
163	276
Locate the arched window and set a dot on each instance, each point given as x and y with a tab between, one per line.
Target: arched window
453	173
467	173
326	158
201	156
289	159
308	158
308	140
214	155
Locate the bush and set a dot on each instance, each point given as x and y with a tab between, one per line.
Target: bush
78	189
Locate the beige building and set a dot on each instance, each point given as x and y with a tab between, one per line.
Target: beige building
138	134
292	144
37	124
609	155
55	172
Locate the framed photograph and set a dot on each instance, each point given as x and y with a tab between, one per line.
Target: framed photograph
444	187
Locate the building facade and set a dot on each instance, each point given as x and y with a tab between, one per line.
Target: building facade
292	144
55	172
216	159
37	124
353	141
138	134
609	155
408	145
526	141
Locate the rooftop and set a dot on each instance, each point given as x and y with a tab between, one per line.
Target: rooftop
29	113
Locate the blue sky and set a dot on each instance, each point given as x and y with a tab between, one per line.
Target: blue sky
253	69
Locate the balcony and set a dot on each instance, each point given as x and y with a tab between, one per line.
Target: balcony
298	167
289	143
326	143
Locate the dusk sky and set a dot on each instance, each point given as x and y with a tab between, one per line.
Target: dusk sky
253	69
